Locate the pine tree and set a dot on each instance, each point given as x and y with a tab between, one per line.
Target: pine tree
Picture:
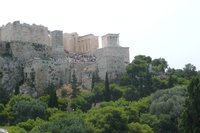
107	89
75	90
190	122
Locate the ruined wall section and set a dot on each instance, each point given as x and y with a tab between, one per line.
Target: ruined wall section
24	32
27	50
112	60
5	48
83	71
57	45
40	73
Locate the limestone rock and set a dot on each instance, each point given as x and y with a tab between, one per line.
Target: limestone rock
3	130
28	90
11	72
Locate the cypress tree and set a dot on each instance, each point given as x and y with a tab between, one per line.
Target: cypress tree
148	84
107	89
53	101
190	121
93	81
75	90
4	96
170	82
17	89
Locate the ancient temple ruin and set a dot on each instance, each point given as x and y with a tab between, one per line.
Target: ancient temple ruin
52	56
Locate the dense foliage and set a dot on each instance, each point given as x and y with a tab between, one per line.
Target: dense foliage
190	122
148	98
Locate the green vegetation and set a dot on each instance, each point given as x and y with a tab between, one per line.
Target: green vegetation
190	123
75	89
148	98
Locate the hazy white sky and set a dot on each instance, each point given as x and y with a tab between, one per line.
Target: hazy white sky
158	28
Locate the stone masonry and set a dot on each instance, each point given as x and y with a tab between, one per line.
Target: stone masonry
51	57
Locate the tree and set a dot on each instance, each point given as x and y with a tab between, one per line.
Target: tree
53	101
159	65
170	82
190	122
4	96
159	84
139	128
147	89
107	89
17	89
75	89
70	124
152	121
25	110
107	120
115	92
98	90
189	71
167	105
93	81
62	104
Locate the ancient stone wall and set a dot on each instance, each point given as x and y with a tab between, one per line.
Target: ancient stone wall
57	45
5	48
113	60
24	32
27	50
57	40
41	73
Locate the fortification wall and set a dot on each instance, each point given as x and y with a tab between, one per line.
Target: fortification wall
24	32
4	48
114	51
27	50
41	73
113	60
81	67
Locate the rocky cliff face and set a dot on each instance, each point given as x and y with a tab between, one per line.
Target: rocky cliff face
11	72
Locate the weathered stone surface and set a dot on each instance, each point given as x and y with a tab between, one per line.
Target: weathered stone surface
41	73
75	43
25	89
25	33
11	72
3	130
32	54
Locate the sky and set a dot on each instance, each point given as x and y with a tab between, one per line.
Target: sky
167	29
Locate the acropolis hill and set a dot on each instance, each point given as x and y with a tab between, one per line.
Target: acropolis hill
37	57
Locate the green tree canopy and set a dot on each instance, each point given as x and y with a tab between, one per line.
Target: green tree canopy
190	122
29	110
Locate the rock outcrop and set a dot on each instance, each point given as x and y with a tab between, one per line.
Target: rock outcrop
11	72
3	130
